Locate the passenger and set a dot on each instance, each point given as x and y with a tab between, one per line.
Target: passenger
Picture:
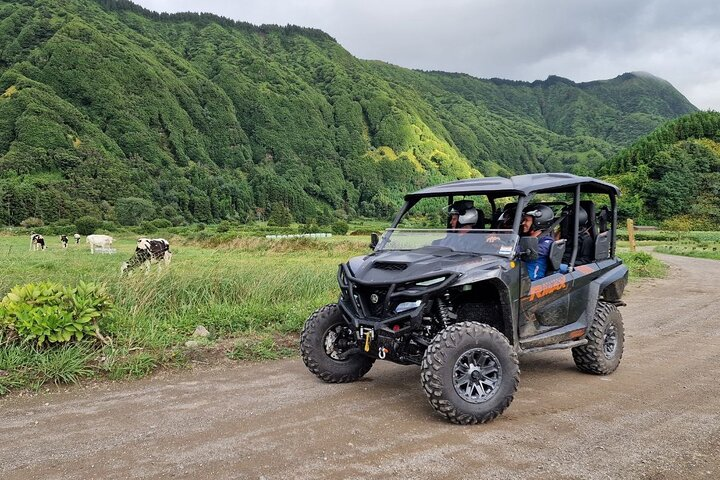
536	219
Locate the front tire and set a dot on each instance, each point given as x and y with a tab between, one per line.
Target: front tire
470	373
606	339
325	339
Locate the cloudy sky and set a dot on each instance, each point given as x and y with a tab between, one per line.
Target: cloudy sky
581	40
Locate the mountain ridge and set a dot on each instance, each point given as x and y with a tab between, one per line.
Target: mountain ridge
204	118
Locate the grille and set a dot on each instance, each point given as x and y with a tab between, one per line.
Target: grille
377	308
390	266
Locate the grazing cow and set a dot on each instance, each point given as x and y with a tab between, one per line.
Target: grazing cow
64	240
99	241
37	242
147	252
77	238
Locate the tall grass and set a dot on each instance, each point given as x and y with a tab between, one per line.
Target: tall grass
242	287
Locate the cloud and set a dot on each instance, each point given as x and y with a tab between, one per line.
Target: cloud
516	39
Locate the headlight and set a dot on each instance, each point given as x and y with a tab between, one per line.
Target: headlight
432	281
405	306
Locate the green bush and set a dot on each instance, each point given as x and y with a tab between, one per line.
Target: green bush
145	228
52	313
87	225
223	226
32	222
309	228
340	228
161	223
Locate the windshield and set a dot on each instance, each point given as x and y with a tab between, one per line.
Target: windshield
486	242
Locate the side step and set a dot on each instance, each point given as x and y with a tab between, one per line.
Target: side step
555	346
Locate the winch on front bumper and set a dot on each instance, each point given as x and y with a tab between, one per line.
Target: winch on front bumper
387	318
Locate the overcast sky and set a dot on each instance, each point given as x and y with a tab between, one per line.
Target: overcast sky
581	40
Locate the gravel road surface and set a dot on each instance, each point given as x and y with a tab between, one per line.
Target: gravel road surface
657	416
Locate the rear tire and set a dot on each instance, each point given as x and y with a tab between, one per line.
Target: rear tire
470	373
321	351
606	340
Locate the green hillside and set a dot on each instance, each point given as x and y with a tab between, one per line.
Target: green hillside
109	110
673	174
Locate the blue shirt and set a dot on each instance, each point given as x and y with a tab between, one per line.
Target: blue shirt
538	267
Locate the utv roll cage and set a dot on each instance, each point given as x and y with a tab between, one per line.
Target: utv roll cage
524	186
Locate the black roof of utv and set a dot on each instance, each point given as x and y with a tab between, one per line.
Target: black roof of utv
517	185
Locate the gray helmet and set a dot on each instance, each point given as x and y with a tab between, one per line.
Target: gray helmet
466	212
542	216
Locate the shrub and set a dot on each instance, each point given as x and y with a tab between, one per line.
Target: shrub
145	228
52	313
32	222
161	223
340	228
223	226
87	225
309	228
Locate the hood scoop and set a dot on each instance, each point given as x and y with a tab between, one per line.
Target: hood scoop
390	266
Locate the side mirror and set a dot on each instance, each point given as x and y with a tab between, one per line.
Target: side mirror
528	247
374	240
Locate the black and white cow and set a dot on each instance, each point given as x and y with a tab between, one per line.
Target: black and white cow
64	240
147	252
37	242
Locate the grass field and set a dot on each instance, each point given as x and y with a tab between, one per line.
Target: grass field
705	250
248	292
689	244
249	289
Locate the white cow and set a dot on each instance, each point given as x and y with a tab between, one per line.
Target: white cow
99	241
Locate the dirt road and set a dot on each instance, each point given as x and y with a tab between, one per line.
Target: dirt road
658	416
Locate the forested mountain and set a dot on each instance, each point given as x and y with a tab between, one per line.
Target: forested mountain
114	111
673	173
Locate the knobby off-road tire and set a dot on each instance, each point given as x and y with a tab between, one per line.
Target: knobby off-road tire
316	347
606	339
470	373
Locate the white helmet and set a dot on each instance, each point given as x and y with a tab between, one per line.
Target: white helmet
466	212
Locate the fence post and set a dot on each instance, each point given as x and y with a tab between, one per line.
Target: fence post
631	234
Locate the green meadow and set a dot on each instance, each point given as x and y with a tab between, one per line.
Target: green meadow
250	289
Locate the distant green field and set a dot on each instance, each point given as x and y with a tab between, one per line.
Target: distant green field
711	250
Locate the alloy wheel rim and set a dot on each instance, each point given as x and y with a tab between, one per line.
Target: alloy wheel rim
477	375
610	342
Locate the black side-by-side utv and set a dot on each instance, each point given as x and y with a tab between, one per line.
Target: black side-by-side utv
459	301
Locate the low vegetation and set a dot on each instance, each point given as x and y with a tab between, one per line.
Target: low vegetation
643	265
251	290
252	294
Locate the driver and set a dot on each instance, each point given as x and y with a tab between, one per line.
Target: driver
463	216
536	219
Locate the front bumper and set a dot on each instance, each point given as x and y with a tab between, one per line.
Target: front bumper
371	306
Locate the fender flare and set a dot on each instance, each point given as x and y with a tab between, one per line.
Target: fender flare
617	276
